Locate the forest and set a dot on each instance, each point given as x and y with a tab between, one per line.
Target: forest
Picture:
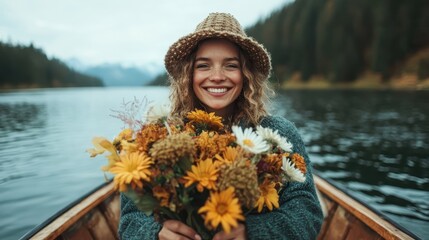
29	67
340	40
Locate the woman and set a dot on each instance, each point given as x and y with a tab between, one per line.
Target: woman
219	69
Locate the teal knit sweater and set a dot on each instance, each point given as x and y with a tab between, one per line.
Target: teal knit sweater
299	216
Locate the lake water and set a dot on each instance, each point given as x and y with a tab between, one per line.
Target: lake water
373	144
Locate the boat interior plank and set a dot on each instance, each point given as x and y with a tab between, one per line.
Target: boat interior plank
78	234
339	225
111	211
331	208
99	227
359	230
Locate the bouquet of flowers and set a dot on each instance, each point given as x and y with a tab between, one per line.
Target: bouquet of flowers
197	171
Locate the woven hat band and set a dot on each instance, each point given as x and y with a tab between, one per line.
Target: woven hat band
221	22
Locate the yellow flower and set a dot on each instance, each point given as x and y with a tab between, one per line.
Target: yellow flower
202	118
269	196
131	170
229	155
128	146
205	174
126	134
102	145
222	208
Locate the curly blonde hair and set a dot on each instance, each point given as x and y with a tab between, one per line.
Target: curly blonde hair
251	104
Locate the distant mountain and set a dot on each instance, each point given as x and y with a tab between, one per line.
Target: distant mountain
118	75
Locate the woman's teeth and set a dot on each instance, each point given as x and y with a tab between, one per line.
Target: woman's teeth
217	90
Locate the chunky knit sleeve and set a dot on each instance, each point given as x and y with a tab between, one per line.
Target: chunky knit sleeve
134	224
300	215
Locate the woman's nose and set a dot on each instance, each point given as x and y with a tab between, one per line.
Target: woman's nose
217	74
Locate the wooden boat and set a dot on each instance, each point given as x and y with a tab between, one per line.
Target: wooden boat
96	216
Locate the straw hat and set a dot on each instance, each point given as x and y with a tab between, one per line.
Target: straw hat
217	25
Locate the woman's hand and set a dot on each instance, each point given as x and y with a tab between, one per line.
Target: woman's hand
173	229
238	233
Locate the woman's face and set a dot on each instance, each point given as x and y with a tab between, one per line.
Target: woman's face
217	76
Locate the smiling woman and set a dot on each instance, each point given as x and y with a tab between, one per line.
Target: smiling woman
221	70
219	54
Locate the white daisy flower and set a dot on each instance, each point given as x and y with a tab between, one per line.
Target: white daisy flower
249	140
292	173
157	112
274	137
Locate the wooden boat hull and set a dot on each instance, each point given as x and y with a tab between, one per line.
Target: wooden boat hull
346	218
97	215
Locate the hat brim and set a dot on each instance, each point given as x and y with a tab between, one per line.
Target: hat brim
179	50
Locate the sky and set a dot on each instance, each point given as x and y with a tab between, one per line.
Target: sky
128	32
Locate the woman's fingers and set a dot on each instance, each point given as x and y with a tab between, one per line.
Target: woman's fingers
173	229
238	233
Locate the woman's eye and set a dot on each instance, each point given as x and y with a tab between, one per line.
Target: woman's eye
202	66
232	66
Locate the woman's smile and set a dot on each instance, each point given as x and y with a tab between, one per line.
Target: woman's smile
217	90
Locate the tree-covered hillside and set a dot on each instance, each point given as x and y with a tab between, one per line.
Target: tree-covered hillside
27	66
341	39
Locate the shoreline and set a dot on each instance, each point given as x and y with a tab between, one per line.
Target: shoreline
408	82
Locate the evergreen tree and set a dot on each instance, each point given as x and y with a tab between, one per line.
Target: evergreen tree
27	66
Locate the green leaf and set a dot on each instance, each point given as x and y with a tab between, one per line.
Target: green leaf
185	163
145	203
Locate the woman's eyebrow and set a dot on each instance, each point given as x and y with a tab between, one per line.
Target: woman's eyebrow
232	59
201	59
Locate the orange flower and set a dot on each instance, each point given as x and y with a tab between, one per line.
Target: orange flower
269	196
207	120
161	194
206	143
270	164
149	134
205	174
299	162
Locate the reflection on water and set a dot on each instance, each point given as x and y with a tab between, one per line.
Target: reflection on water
17	117
19	123
373	143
